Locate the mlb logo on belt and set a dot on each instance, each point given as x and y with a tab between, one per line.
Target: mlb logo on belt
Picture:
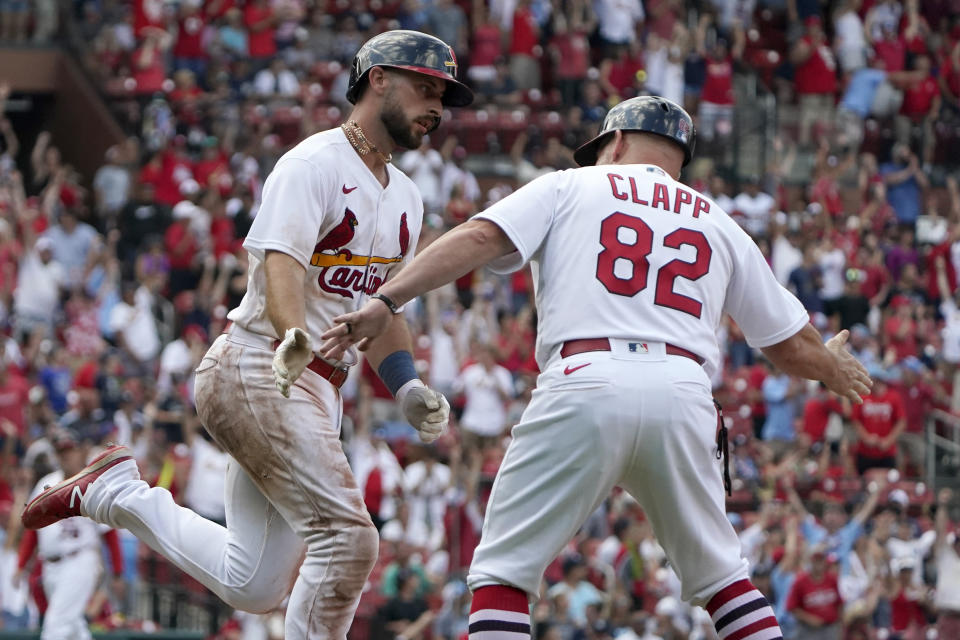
638	347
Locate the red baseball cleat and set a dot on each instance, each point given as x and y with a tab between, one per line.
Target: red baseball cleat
63	500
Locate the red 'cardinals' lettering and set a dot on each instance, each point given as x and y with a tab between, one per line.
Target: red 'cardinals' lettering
345	281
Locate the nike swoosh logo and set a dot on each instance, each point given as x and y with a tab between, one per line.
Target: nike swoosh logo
75	495
346	190
567	371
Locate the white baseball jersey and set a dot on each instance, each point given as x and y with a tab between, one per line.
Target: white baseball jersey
65	537
625	251
325	208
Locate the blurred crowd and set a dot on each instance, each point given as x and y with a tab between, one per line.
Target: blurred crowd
113	285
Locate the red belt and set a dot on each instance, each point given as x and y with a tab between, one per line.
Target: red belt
573	347
334	375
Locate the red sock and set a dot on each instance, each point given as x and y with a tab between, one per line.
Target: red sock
499	612
740	612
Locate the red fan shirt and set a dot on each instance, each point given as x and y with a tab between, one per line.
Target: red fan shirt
817	597
878	414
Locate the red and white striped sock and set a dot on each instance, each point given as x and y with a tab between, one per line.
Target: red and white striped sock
740	612
499	612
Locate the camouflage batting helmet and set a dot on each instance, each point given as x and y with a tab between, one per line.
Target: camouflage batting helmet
413	51
650	114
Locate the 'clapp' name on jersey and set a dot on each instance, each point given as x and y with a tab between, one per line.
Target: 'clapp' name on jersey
674	198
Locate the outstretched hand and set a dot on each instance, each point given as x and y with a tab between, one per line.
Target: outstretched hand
850	379
355	328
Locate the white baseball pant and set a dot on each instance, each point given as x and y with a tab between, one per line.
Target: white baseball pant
643	421
290	495
69	584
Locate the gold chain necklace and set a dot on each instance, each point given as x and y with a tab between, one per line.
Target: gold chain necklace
359	141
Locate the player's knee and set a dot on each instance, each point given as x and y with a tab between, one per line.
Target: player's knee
257	598
365	546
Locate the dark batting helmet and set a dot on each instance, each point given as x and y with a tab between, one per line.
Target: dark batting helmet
650	114
413	51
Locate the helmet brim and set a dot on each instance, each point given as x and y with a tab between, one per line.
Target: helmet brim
456	93
586	154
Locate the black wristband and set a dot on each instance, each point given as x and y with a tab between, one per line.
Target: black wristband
387	301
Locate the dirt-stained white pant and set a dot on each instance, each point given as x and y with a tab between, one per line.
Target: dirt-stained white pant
69	584
290	495
642	420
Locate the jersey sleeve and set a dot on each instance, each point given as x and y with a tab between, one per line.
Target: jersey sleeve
291	211
763	309
525	217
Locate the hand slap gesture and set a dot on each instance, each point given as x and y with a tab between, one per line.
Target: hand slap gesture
852	380
355	328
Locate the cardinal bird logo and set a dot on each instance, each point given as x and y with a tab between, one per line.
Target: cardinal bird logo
404	234
338	236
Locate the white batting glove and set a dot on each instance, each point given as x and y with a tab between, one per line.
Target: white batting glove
427	410
291	358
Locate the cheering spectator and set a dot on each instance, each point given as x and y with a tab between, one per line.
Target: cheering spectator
619	21
779	391
908	602
260	21
622	75
816	78
42	279
921	105
814	598
715	117
189	51
879	421
111	185
232	35
448	21
900	330
754	209
524	48
134	328
818	410
850	41
570	50
487	387
425	483
577	590
276	81
883	16
149	69
485	47
805	280
920	393
73	244
425	167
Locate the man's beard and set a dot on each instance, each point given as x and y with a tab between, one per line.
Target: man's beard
399	126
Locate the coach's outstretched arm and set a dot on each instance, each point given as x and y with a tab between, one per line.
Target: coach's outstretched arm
805	355
456	253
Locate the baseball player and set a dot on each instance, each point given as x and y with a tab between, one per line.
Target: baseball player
633	272
337	220
70	552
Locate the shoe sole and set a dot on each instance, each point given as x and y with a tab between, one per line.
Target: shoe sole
105	461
